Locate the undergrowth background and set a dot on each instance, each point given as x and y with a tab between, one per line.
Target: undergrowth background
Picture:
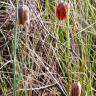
55	54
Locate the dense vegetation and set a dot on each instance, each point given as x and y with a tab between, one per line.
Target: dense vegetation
54	53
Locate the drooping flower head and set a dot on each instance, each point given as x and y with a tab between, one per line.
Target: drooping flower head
61	10
23	15
75	89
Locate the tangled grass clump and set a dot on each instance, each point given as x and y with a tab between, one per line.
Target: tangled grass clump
50	55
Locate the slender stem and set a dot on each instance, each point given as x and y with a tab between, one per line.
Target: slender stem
14	51
68	47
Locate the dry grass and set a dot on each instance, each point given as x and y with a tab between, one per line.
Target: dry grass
55	54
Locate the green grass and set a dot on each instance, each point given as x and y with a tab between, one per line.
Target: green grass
15	42
64	50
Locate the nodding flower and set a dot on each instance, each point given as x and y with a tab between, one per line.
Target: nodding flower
61	10
75	89
78	1
23	15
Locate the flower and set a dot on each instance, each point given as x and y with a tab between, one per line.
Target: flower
23	15
75	89
61	10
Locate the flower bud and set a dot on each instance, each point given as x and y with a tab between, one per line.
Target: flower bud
61	10
23	15
76	89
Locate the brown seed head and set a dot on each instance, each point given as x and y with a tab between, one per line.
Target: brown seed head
23	15
76	89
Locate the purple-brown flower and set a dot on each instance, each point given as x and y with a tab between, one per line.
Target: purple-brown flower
23	15
75	89
61	10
